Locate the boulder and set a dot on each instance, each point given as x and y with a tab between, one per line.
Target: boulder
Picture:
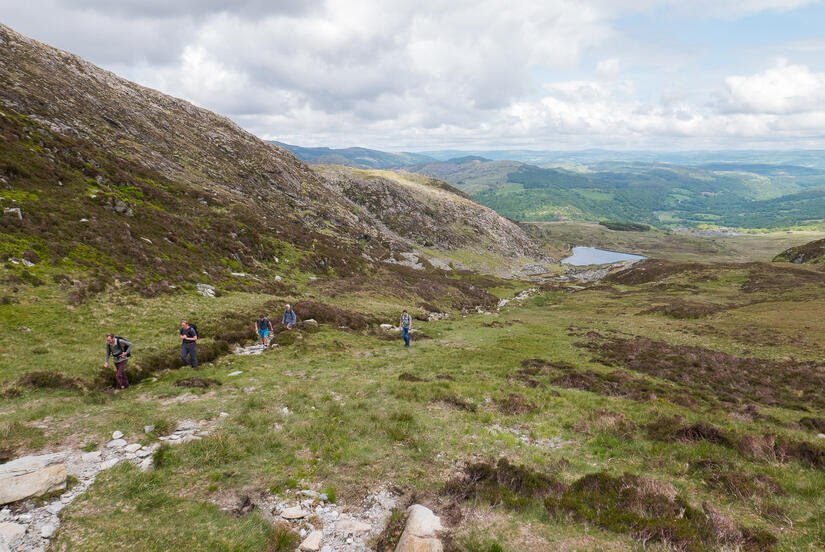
31	476
313	542
420	532
386	327
310	322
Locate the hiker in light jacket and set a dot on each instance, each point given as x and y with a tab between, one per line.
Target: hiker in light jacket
120	350
289	320
406	327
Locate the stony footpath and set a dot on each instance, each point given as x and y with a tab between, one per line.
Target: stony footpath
328	527
27	523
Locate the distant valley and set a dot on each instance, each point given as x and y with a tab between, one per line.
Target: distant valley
740	189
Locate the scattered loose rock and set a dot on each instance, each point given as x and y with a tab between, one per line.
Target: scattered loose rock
31	476
313	542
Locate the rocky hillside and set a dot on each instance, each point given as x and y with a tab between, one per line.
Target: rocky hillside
99	174
438	217
810	253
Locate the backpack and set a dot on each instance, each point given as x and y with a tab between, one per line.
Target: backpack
117	342
194	328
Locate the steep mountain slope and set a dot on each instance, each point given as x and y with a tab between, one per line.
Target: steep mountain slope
443	220
809	253
100	174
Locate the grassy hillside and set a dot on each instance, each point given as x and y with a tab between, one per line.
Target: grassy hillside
676	404
361	158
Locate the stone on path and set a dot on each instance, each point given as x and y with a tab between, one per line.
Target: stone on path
313	542
144	453
116	443
235	373
351	526
148	429
11	531
48	530
134	447
31	476
420	532
117	435
296	512
93	456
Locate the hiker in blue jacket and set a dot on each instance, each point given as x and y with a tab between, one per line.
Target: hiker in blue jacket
289	320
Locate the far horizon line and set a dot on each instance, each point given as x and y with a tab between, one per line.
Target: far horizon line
550	150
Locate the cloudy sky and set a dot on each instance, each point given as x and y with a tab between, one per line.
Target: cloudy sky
481	74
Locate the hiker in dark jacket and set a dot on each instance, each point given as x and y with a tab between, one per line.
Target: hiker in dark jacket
262	327
189	344
289	319
120	350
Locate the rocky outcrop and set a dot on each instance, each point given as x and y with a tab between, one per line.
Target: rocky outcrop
436	216
810	253
31	476
421	531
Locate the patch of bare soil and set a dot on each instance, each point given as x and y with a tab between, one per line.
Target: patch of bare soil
715	376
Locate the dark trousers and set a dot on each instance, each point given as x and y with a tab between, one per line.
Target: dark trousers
120	374
189	350
405	332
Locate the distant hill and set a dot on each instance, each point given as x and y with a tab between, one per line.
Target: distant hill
809	253
361	158
749	189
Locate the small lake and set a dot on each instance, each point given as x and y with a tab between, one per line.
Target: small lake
591	256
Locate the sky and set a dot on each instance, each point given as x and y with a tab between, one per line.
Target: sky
417	75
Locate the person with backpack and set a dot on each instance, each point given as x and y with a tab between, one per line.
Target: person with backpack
189	344
262	328
120	350
406	327
289	319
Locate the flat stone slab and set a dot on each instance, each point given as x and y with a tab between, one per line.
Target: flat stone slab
116	443
134	447
313	542
296	512
31	476
11	531
351	526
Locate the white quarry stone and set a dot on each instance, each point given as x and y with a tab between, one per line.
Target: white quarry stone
420	531
313	542
116	443
235	373
134	447
351	526
117	435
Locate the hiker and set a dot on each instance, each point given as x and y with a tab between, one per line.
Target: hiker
262	328
289	319
189	344
406	327
120	350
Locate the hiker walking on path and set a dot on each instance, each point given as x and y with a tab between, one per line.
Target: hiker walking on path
262	328
120	350
289	319
189	344
406	327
